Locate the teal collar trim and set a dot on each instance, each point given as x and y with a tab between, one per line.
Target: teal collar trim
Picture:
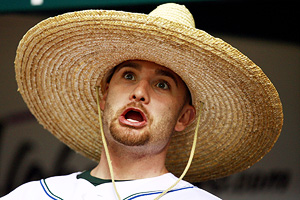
94	180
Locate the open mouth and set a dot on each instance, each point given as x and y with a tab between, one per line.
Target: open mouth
133	117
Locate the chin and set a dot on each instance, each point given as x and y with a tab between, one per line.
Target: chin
129	136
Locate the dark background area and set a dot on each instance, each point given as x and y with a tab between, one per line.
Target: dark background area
264	19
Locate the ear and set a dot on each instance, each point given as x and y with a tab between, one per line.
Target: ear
187	116
103	100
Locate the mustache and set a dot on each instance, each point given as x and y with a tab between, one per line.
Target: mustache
136	105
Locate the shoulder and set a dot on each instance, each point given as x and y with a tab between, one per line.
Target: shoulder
186	190
150	188
194	192
30	190
62	180
51	188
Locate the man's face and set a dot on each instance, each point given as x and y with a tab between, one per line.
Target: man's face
143	104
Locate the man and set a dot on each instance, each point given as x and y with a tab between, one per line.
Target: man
154	72
143	104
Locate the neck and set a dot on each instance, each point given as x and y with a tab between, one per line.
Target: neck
130	166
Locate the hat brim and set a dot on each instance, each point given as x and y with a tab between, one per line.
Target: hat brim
59	61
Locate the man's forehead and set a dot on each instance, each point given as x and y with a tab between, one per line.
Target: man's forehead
139	64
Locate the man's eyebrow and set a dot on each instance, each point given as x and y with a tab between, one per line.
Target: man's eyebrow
129	64
163	72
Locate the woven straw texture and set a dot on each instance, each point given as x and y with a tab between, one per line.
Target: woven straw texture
60	59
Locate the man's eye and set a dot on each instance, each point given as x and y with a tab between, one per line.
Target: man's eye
129	76
163	85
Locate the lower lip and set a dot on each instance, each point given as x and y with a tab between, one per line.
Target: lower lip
125	122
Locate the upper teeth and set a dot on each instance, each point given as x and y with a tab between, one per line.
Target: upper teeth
132	120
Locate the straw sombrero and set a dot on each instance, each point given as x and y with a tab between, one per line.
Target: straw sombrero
60	60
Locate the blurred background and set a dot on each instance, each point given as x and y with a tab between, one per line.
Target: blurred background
266	31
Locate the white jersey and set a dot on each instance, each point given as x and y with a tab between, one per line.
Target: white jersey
71	187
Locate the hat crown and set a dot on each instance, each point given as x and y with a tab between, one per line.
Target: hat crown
174	12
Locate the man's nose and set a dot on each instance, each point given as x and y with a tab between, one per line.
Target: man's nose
141	92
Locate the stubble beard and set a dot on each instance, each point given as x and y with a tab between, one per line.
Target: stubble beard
128	136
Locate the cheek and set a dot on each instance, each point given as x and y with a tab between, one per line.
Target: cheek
116	95
172	105
165	116
166	108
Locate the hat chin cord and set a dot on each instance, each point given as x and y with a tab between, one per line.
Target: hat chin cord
110	163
